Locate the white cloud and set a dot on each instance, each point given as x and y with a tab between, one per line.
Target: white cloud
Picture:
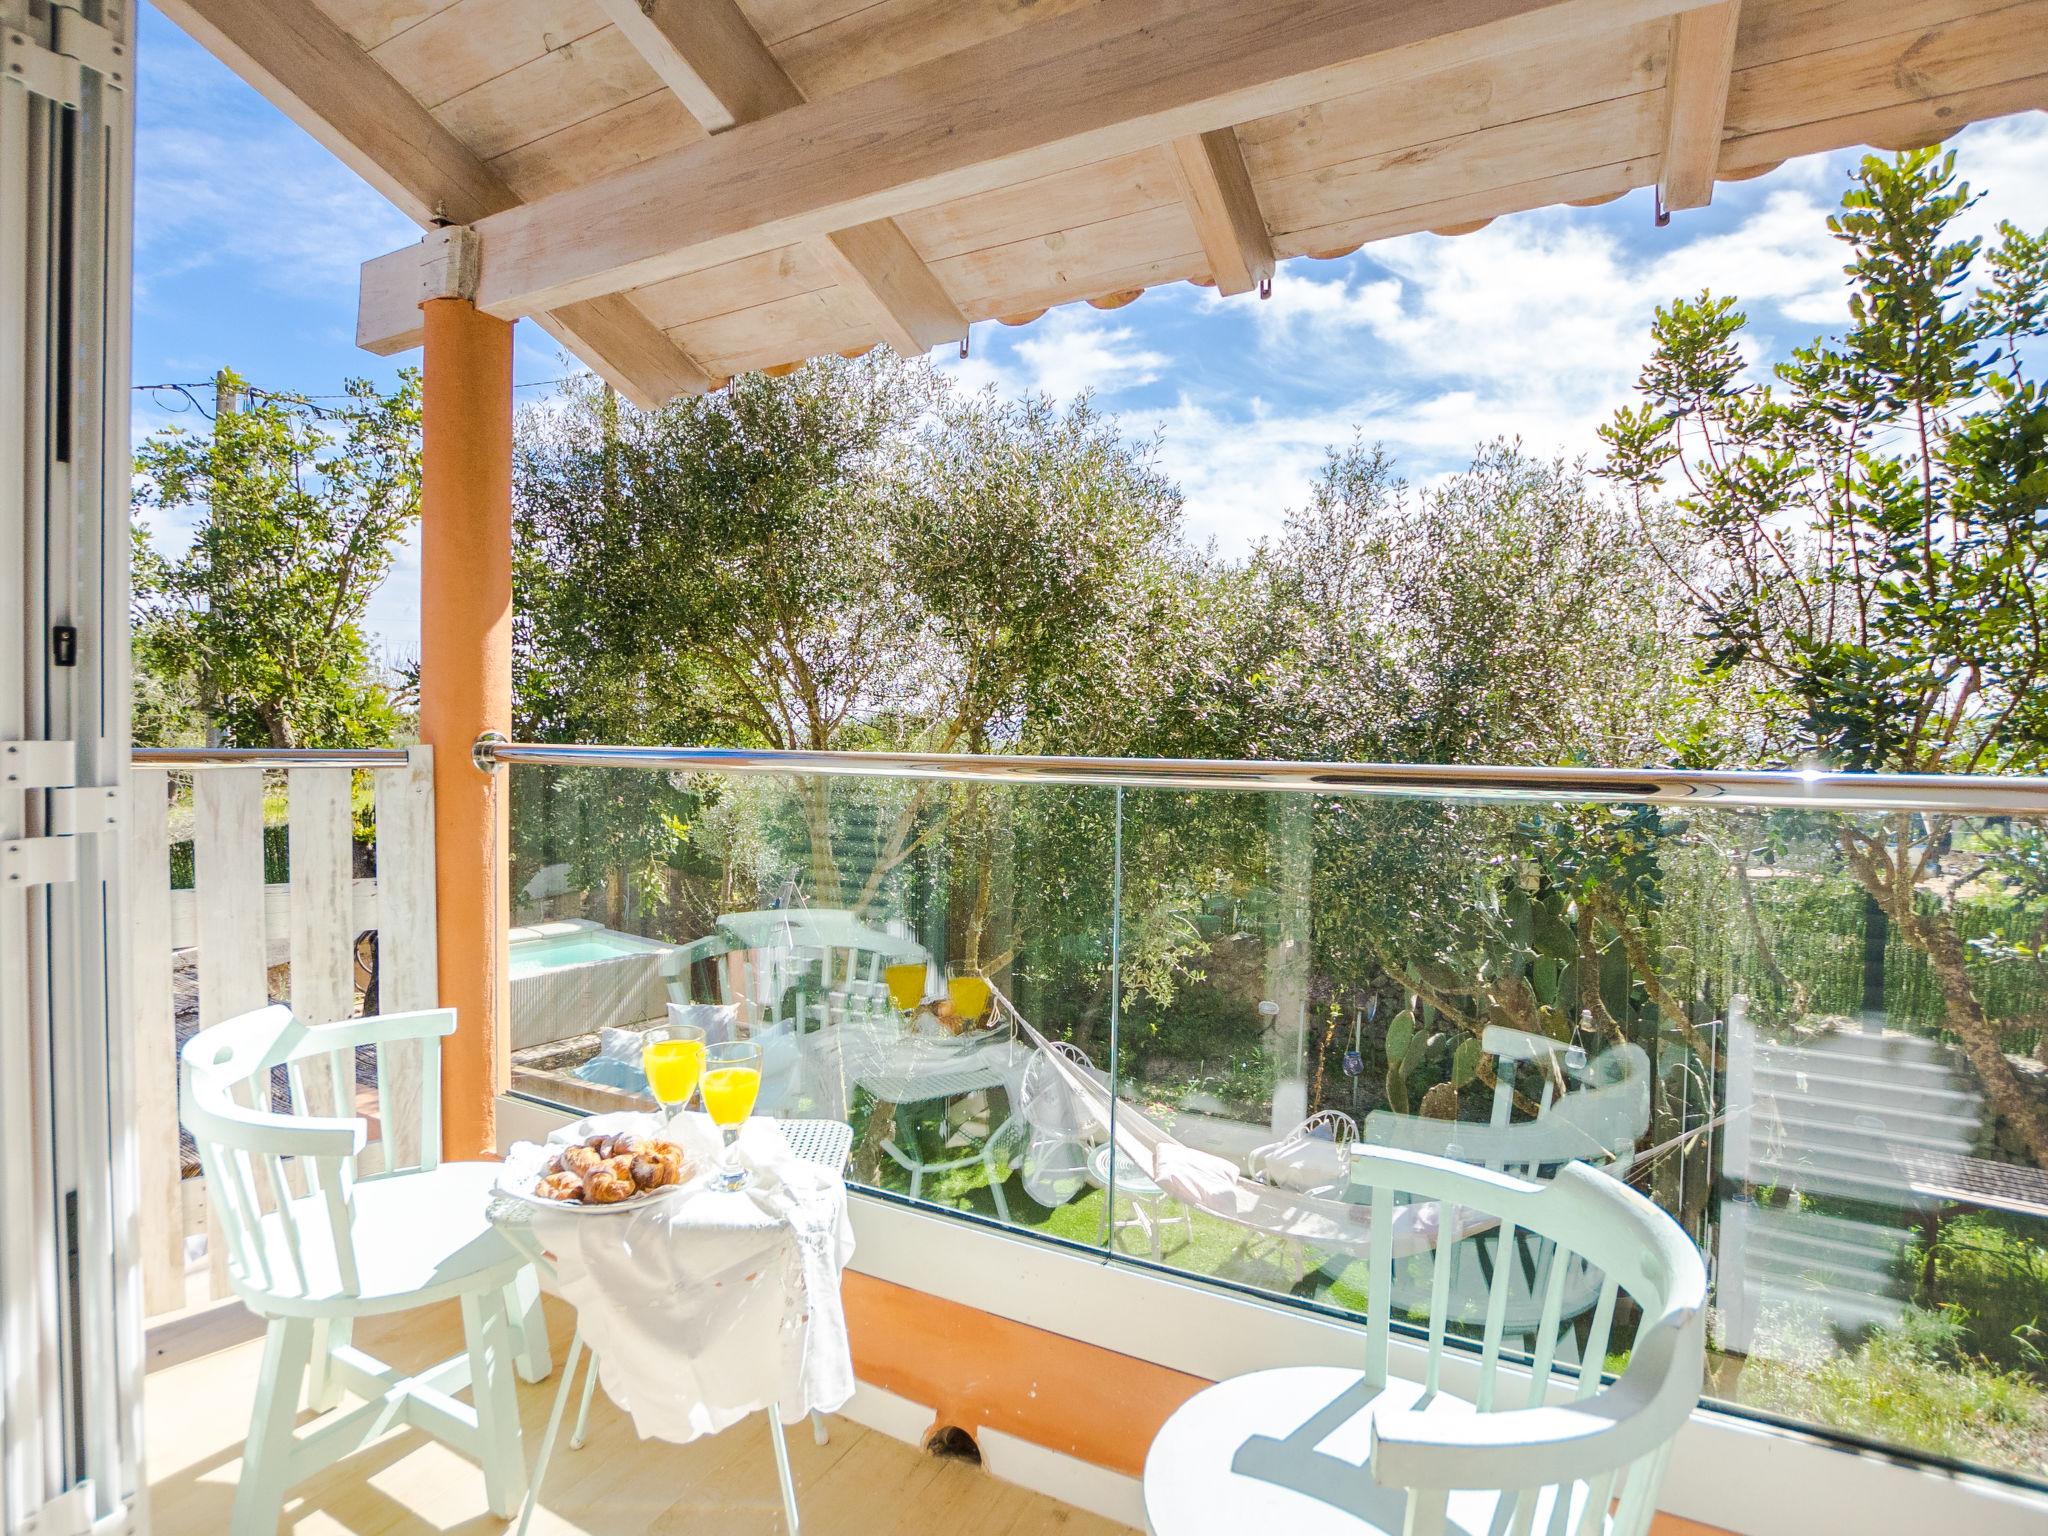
1534	327
1781	256
1238	474
274	206
225	182
1070	350
1301	302
2008	161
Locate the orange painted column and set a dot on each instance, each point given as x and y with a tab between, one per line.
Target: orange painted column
465	690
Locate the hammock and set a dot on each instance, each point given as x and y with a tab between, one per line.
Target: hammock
1218	1187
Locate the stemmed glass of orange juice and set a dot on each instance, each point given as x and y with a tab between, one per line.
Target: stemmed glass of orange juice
732	1082
969	996
673	1059
906	984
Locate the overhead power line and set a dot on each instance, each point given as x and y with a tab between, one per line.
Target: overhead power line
184	396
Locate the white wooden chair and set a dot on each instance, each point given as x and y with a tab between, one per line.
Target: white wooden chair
312	1246
1597	1125
1469	1447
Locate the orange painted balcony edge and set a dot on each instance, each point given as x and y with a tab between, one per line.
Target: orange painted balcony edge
977	1371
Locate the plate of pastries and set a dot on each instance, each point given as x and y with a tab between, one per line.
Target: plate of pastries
600	1173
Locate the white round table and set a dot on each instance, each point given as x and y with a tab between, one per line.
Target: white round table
1152	1208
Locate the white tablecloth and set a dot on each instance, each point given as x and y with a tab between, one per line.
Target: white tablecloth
706	1307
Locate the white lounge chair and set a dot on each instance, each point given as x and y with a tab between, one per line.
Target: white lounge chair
1315	1158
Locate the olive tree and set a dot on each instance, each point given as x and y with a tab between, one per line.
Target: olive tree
1872	530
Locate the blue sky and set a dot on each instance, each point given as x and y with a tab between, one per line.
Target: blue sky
249	234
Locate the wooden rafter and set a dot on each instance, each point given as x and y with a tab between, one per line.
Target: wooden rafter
708	53
1702	63
1218	191
315	74
1109	78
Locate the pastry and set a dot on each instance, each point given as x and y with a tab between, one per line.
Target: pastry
610	1182
609	1169
657	1164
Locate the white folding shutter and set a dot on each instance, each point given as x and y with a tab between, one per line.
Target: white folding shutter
70	1313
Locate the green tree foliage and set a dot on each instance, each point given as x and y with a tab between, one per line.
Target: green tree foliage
256	629
1505	615
853	555
1039	549
1865	537
850	556
718	569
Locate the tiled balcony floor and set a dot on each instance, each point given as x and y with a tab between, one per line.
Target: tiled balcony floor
862	1484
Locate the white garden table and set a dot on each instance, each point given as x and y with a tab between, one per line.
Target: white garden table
928	1070
825	1144
1152	1208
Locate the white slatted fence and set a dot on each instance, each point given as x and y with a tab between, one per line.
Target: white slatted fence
237	930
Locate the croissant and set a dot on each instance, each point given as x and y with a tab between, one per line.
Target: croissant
560	1186
658	1164
580	1160
610	1182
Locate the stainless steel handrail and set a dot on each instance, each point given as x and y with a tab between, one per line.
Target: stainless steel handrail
183	759
1741	787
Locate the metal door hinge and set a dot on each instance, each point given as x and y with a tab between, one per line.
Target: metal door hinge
37	764
68	1514
43	71
92	45
38	861
84	808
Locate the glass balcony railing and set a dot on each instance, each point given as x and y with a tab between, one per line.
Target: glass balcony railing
1146	1008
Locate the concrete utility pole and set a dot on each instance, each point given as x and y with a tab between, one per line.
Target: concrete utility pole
227	399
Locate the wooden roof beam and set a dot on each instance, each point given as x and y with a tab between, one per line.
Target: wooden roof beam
1103	80
1702	61
314	73
708	53
1225	208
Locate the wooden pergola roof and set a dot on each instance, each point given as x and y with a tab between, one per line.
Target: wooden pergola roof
680	190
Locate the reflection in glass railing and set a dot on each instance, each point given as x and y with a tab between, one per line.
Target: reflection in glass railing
1158	1020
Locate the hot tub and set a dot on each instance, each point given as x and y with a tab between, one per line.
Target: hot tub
576	977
